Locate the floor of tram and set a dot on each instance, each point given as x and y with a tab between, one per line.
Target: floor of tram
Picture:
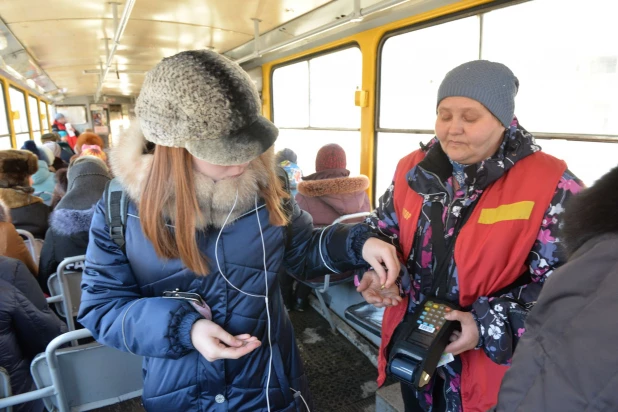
341	378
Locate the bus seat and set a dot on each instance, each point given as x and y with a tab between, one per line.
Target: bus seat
87	376
321	284
31	244
366	316
65	289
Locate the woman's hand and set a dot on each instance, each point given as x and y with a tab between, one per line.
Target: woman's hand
371	289
468	338
377	252
215	343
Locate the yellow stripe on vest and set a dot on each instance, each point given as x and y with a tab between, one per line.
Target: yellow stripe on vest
514	211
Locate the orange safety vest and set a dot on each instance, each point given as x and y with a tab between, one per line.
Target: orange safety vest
490	252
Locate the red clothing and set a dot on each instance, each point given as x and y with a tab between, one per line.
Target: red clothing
506	207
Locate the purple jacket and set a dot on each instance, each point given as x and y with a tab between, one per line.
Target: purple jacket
329	194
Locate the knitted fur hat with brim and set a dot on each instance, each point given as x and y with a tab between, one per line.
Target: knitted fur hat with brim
16	166
207	104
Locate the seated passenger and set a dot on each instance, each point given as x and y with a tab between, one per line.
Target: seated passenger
27	325
59	127
567	359
56	150
286	158
329	194
11	244
67	235
60	189
28	212
65	150
485	169
43	180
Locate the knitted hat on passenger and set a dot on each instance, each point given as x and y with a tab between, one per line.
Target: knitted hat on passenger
204	102
330	156
59	116
16	166
492	84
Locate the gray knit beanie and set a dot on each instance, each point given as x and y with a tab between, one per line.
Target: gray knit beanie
204	102
492	84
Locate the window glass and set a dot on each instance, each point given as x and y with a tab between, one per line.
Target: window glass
391	147
44	120
586	160
291	95
34	113
4	123
333	80
18	104
306	143
21	138
568	70
5	143
413	66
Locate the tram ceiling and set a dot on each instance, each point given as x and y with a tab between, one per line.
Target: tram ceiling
67	39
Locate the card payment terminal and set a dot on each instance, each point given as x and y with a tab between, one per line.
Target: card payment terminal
419	341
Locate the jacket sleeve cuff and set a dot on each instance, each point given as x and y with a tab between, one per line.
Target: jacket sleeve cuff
180	333
481	341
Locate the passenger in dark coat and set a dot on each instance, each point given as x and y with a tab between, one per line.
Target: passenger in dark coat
206	217
67	235
567	359
27	325
27	211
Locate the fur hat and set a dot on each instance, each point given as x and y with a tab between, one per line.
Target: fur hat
16	166
330	156
492	84
49	137
204	102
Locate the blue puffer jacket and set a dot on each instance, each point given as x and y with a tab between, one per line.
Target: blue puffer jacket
27	325
123	307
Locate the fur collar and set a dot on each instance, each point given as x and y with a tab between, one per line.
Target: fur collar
338	186
592	213
131	165
68	222
16	198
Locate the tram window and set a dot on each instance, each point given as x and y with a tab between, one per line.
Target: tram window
291	95
5	138
390	148
587	160
318	93
306	143
569	77
36	119
18	104
44	120
333	79
413	65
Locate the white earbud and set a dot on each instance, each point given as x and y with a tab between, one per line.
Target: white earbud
265	296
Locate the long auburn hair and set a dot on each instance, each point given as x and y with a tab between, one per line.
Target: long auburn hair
171	179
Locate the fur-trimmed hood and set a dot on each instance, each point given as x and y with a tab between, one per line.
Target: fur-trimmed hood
334	186
68	222
131	164
592	213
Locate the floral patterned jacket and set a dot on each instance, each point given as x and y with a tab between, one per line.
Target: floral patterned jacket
500	319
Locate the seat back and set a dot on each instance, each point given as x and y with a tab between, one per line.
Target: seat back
87	376
66	284
5	388
30	243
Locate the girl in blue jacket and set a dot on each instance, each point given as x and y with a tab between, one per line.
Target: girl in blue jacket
194	287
